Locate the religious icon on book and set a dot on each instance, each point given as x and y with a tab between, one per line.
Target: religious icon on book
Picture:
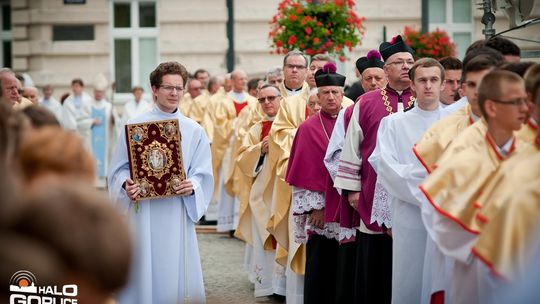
169	130
137	134
156	160
145	187
155	157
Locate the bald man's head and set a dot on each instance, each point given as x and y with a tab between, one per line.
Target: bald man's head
239	80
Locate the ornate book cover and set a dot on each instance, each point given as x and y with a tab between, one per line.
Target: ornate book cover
155	157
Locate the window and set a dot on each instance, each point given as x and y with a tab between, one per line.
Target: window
456	18
134	35
73	32
5	34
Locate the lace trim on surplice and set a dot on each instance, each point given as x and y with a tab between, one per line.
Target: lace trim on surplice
382	209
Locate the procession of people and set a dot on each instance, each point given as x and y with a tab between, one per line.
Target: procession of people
423	189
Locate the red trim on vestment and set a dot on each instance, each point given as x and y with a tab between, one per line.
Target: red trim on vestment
420	159
482	218
488	264
444	213
494	146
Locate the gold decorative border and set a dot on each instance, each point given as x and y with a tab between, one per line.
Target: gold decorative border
136	147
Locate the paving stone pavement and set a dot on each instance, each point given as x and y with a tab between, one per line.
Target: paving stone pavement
225	279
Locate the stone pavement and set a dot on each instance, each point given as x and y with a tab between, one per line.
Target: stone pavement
225	279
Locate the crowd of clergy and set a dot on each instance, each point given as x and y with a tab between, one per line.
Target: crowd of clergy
418	184
422	188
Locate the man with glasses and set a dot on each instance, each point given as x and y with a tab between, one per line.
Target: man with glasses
511	209
454	187
452	80
252	161
356	177
293	111
440	143
164	229
294	74
314	224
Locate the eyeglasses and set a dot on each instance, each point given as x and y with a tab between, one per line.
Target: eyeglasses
516	102
269	98
297	66
402	62
170	88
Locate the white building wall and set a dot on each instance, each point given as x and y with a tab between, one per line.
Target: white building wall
191	32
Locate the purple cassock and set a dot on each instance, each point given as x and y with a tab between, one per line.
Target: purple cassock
344	213
306	168
372	111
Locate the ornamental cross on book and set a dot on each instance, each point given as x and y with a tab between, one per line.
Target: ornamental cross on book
155	157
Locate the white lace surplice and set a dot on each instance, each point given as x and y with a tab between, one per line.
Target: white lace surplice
303	202
382	206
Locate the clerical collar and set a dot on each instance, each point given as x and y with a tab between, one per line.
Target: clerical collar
328	115
239	97
269	118
292	90
389	88
156	108
506	148
474	117
428	112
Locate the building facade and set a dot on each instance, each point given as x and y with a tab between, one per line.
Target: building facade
55	41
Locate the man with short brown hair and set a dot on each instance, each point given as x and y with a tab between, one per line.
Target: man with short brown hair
153	280
400	173
452	79
455	185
